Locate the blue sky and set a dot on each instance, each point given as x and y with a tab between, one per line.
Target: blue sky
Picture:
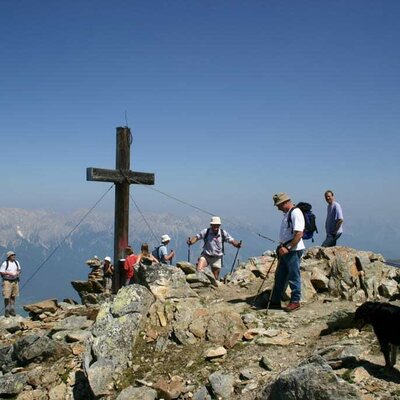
228	102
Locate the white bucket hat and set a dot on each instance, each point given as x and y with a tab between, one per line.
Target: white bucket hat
165	238
10	253
215	221
107	259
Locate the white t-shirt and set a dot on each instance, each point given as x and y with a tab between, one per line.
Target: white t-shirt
12	268
287	230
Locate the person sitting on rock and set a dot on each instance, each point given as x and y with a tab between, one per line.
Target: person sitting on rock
145	257
129	263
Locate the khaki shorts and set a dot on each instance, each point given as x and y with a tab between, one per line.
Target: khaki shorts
213	261
10	289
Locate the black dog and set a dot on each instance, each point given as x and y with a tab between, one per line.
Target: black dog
385	320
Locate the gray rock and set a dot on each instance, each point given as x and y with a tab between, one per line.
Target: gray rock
312	380
130	300
142	393
221	384
34	347
225	327
248	373
77	336
340	320
198	277
341	356
58	392
73	322
49	305
100	376
186	267
117	327
266	363
7	358
202	394
11	325
12	384
165	282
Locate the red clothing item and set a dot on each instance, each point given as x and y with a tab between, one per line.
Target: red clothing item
130	261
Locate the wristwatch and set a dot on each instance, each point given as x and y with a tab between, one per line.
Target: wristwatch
288	246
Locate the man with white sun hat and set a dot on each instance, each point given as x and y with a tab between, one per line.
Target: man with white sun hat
213	248
161	251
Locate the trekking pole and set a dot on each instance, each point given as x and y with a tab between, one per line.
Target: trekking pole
262	283
237	252
188	242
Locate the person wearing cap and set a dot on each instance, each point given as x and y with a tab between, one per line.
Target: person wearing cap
334	220
108	270
290	251
161	251
10	271
129	263
213	249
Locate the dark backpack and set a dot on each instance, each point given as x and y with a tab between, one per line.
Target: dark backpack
309	218
223	237
156	252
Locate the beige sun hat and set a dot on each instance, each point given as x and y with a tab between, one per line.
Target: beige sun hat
215	221
280	198
165	238
10	253
107	259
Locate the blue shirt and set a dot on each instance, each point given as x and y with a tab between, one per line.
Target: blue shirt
334	213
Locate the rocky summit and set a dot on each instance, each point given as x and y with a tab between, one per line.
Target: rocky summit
180	334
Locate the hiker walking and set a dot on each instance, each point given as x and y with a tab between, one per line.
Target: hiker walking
213	248
108	271
10	271
129	263
334	220
289	252
161	251
145	257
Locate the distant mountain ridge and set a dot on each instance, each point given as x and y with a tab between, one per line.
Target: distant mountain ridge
34	235
72	238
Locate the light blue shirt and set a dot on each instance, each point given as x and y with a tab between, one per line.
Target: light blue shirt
334	213
213	243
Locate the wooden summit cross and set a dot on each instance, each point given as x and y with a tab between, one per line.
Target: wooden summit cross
122	176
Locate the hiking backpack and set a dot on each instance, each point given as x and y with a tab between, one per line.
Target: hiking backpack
156	252
309	218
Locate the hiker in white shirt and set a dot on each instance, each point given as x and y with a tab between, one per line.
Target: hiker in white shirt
10	271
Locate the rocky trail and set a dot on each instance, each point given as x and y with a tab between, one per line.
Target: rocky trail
179	334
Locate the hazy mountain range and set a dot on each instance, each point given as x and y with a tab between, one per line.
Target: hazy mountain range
52	247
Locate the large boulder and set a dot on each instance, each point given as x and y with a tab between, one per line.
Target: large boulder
114	335
165	282
311	380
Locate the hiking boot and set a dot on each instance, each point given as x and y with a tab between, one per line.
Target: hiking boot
12	313
292	307
7	313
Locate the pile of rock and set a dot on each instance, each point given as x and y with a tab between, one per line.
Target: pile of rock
178	334
41	356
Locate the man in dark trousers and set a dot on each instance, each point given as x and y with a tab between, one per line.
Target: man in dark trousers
290	251
334	220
